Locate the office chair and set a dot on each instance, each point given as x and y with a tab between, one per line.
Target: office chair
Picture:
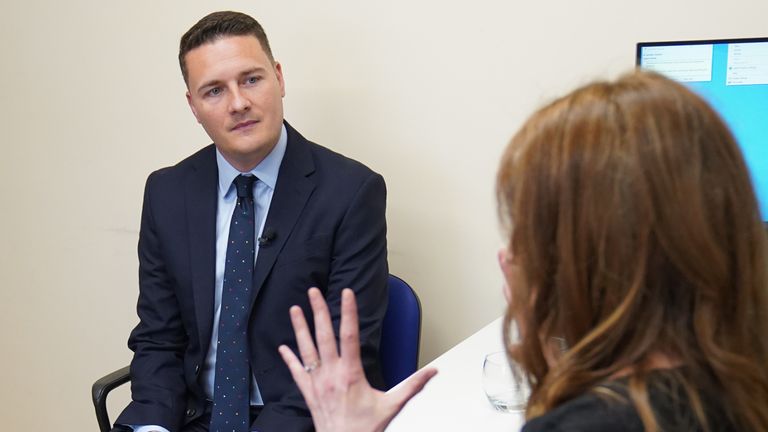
400	333
399	350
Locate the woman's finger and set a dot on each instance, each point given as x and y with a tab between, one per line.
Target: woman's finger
300	375
349	332
326	341
410	387
303	337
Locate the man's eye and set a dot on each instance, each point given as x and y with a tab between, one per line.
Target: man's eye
252	80
214	91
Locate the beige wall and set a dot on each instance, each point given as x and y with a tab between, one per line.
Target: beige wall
425	92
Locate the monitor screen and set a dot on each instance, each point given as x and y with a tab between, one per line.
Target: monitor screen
732	75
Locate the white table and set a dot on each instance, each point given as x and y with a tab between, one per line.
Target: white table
454	399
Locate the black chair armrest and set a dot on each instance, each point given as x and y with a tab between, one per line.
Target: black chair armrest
101	389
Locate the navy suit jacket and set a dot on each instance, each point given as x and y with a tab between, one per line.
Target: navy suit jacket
328	216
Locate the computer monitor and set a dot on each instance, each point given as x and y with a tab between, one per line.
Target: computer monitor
732	75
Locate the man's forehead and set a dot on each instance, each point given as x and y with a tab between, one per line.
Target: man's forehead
221	45
232	55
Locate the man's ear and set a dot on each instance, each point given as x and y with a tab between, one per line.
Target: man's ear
192	107
279	74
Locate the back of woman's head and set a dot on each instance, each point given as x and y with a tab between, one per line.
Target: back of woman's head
637	232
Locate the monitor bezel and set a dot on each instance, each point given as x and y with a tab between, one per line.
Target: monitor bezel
641	45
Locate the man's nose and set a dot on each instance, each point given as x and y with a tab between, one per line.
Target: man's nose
239	102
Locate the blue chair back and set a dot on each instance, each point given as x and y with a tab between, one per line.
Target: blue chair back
400	333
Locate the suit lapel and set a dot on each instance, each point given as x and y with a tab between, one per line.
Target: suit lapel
201	200
293	189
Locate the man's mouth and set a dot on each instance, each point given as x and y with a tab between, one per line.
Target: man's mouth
244	125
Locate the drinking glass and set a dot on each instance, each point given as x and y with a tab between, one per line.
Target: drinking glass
504	383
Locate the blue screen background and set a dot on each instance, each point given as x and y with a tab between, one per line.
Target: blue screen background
745	109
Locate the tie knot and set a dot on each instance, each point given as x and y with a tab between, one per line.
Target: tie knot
244	186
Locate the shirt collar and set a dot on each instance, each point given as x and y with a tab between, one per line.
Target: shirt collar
266	170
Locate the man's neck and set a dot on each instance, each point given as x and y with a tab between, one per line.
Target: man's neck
247	163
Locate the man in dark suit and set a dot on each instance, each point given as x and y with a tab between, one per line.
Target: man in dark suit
298	214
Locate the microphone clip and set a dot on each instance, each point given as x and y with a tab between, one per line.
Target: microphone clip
267	236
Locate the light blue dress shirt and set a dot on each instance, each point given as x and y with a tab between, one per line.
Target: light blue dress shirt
263	190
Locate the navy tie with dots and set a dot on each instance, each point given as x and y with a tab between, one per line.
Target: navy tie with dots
231	397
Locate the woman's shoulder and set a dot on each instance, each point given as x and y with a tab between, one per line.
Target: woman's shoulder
593	411
608	407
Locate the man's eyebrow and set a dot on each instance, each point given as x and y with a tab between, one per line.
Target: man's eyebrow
252	70
205	85
216	82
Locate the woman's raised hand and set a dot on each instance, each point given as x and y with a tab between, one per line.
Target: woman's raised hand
334	386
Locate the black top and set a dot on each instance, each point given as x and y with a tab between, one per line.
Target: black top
596	411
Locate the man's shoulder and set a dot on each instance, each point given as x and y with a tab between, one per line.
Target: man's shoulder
326	160
203	157
336	162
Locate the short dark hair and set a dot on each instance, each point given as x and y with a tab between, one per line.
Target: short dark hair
217	25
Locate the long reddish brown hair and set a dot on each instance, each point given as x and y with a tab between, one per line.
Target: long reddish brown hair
634	223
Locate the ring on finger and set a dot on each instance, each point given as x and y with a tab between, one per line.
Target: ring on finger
312	366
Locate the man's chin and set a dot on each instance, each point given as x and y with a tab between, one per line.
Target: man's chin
245	156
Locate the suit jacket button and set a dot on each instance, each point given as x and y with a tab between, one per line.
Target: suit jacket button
191	412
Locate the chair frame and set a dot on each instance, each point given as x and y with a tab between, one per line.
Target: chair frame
101	389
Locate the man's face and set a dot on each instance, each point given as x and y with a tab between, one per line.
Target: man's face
236	93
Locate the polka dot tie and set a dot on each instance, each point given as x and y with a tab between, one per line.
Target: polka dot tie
231	398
